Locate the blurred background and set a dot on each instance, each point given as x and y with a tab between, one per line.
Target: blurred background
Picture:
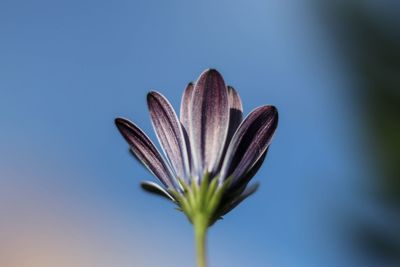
330	188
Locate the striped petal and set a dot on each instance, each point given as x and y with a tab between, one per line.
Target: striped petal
235	116
242	182
169	133
185	106
155	189
185	118
209	121
249	143
253	170
145	151
235	112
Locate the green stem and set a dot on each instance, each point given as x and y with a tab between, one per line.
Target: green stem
200	229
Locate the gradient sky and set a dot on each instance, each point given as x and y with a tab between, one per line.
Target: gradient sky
69	193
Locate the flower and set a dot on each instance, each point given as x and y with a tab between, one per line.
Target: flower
211	152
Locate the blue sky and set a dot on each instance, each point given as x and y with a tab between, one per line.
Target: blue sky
68	68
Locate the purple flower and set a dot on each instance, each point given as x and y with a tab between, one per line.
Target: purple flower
211	152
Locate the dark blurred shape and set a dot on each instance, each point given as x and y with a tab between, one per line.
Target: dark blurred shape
371	39
381	246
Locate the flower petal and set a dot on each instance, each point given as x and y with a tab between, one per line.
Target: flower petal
185	118
185	106
235	112
169	133
209	121
254	169
249	143
242	182
245	194
235	116
145	151
155	189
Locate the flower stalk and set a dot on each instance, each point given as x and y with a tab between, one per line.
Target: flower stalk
200	225
200	203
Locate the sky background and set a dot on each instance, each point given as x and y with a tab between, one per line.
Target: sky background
69	190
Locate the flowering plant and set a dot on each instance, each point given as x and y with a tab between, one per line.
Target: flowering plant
211	152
